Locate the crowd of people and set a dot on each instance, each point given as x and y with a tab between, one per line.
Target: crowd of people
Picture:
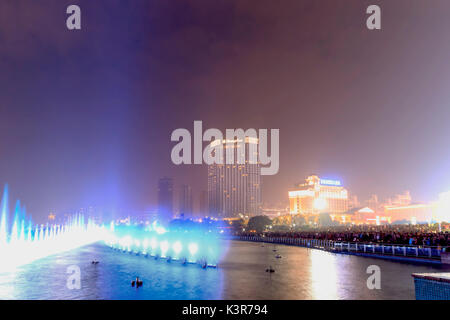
420	235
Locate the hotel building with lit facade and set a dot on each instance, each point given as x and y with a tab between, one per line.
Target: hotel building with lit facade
318	195
234	190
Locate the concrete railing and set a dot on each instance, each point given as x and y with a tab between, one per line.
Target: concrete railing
355	247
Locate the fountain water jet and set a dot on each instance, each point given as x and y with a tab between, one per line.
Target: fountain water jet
20	245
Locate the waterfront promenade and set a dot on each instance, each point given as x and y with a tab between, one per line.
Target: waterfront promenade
412	253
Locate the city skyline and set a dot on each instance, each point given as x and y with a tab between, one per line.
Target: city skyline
179	201
198	209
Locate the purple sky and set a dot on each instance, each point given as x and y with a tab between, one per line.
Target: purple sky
86	116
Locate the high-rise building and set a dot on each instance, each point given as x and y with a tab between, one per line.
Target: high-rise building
318	195
203	205
185	200
234	190
165	199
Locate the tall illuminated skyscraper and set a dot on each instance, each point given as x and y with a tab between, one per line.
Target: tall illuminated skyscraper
165	199
203	204
185	200
234	190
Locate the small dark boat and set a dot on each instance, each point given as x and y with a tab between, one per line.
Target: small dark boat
270	270
137	283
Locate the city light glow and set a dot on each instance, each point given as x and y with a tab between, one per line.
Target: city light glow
330	182
320	204
443	211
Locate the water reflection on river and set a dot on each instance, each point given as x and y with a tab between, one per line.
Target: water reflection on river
300	274
304	273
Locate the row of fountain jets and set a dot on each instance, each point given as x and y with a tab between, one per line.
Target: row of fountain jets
21	242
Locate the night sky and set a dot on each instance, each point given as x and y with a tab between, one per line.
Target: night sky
86	116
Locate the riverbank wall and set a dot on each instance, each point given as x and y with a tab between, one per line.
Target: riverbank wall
403	253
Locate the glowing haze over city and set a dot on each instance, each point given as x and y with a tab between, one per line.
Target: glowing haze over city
89	134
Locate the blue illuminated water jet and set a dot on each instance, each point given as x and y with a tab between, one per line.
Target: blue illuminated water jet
21	242
190	245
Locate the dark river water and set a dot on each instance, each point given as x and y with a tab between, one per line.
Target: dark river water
301	273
